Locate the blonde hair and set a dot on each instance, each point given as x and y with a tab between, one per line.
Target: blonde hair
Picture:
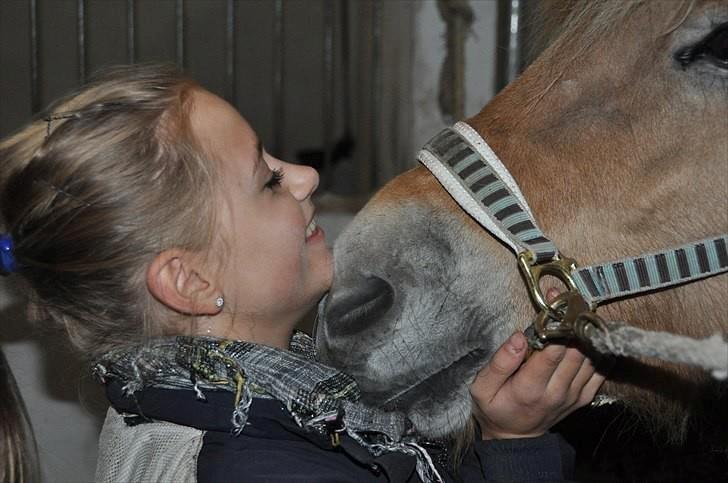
93	190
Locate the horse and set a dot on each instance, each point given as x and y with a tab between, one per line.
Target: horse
618	137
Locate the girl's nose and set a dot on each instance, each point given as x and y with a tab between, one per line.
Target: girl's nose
302	180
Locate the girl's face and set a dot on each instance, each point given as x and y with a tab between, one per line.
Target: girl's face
275	264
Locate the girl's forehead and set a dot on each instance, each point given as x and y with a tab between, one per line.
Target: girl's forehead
220	128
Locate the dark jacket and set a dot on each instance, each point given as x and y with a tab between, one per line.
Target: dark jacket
272	448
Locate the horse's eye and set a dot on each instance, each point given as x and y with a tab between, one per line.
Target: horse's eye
716	45
713	48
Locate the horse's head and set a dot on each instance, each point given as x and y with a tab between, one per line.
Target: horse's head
618	137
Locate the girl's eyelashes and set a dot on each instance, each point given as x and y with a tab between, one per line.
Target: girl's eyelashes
276	178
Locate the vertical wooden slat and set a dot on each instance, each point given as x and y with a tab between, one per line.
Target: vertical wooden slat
179	12
130	31
328	92
230	24
376	93
278	78
81	39
35	100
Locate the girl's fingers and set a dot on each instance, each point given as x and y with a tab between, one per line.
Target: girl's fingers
590	389
533	379
586	371
563	377
504	363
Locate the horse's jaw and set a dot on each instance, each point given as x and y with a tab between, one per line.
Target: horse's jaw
414	322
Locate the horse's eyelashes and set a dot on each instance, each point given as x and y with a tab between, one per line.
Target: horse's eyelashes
685	56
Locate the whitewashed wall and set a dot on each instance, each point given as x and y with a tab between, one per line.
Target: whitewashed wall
53	381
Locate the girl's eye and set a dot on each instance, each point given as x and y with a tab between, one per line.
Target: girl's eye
275	179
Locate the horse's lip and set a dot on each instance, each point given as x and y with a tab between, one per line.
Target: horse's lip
460	360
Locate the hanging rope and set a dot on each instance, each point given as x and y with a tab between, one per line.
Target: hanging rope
458	16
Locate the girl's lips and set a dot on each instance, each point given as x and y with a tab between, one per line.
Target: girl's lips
318	233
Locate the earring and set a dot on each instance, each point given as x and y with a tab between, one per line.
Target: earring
219	302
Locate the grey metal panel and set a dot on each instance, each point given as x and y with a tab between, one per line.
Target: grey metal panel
81	43
205	49
254	67
58	46
131	31
279	50
16	57
302	84
327	98
179	13
230	25
375	97
155	29
107	34
35	99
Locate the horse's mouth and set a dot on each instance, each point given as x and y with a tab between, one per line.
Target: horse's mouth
441	381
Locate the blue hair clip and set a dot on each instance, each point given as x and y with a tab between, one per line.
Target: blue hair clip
7	258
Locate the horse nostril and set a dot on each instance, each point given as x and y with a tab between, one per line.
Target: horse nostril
350	310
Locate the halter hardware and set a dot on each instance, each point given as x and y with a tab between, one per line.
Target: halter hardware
573	320
569	314
561	268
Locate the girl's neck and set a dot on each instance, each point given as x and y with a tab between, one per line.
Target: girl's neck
250	329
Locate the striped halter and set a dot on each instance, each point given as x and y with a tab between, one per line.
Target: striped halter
474	176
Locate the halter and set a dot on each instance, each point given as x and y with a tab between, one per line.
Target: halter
471	172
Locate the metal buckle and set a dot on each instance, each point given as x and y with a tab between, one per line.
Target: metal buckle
560	268
568	315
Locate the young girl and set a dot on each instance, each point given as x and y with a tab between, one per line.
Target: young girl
148	220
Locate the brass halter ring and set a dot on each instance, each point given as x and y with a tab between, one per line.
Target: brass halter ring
568	315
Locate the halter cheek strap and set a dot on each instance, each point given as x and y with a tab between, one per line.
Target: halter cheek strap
471	172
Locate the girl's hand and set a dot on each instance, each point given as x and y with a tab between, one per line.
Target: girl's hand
520	400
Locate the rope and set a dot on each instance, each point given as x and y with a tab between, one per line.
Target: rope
620	339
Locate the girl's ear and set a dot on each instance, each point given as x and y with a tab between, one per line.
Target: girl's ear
175	278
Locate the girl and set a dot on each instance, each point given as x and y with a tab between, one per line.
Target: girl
148	220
